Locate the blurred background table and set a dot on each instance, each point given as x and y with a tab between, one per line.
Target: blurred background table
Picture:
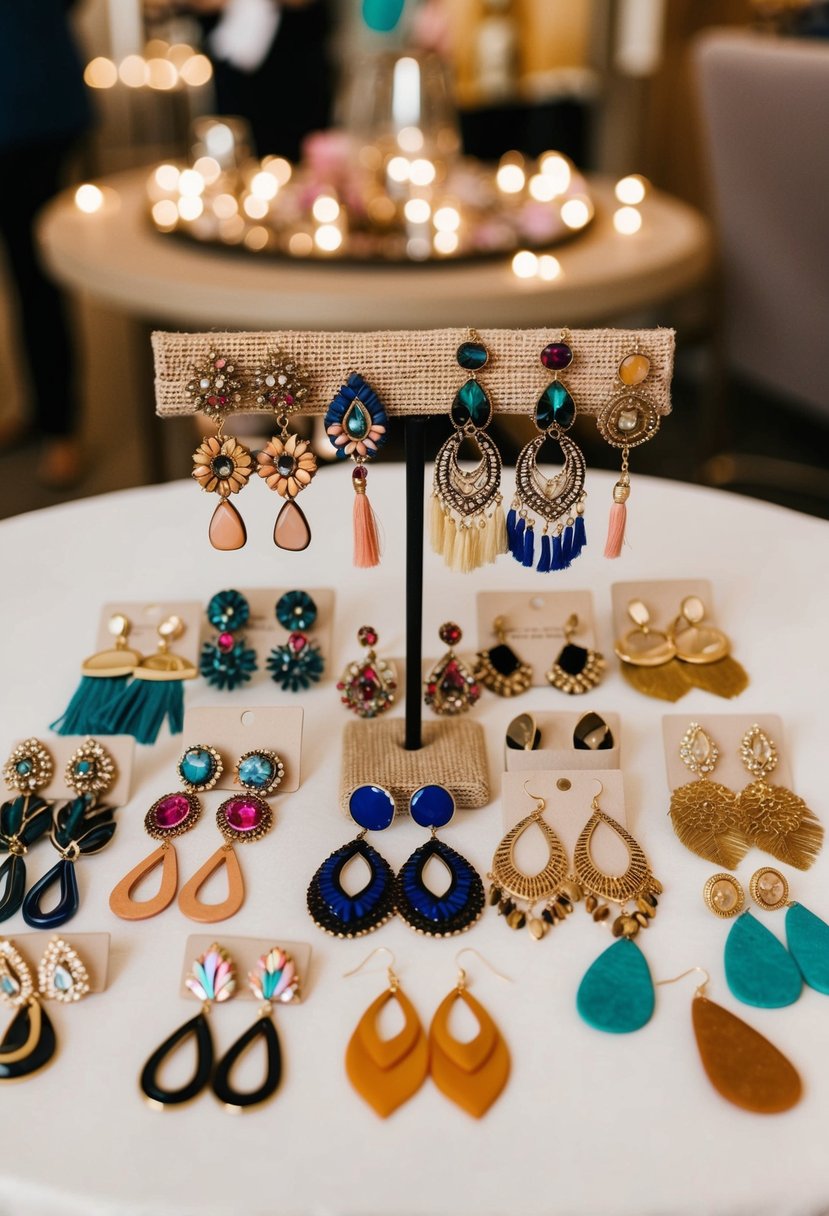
589	1122
116	256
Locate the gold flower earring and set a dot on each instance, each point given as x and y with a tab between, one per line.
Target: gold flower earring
286	463
221	464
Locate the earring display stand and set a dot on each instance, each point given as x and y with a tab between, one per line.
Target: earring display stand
415	374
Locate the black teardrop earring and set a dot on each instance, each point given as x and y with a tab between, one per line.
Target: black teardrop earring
274	979
212	980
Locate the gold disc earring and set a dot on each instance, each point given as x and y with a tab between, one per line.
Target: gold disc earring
648	658
575	669
704	652
772	817
705	815
499	669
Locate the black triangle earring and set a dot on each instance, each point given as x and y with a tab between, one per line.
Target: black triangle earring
274	979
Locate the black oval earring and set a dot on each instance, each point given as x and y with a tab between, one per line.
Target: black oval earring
212	980
274	979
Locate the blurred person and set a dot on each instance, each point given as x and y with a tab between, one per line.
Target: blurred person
44	110
271	65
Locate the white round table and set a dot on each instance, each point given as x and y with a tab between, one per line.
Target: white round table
589	1122
116	256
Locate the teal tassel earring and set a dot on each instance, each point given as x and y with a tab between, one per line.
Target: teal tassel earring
156	691
104	677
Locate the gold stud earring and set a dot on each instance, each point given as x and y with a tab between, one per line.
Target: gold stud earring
724	895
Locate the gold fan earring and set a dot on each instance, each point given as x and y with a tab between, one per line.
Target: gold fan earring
705	652
775	819
649	662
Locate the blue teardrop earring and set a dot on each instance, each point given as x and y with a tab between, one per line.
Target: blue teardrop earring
226	662
330	905
298	662
457	909
79	827
23	819
616	994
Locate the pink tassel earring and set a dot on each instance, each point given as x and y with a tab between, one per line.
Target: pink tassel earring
356	423
628	419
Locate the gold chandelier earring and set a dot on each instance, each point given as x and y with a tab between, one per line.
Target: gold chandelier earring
705	815
518	895
575	669
773	818
705	652
648	658
499	668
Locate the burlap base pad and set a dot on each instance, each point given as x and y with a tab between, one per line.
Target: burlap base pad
453	755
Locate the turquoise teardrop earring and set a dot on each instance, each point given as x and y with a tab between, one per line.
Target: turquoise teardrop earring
758	968
616	994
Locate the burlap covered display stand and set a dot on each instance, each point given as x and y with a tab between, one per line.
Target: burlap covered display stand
415	371
453	754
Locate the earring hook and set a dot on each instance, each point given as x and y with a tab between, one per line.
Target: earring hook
700	987
538	799
597	794
393	978
485	961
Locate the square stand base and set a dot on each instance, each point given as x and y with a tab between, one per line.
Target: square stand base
453	754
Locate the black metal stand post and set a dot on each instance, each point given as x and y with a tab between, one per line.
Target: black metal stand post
415	430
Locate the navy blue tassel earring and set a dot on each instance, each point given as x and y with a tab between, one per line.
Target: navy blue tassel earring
104	677
558	501
156	691
227	662
80	827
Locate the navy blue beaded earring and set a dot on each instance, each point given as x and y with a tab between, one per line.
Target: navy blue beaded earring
227	662
432	806
80	827
297	663
331	907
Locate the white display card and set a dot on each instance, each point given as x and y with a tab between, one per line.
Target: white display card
727	731
534	624
569	794
62	747
235	729
556	750
144	619
263	631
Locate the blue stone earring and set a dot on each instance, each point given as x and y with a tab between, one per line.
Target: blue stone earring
23	819
227	662
297	663
432	806
80	827
330	905
616	994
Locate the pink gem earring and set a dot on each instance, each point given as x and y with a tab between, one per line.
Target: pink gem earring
368	685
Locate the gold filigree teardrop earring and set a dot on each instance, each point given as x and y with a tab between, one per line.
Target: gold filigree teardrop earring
286	463
221	465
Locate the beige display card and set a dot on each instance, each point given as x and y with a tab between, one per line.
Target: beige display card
534	624
62	747
567	811
144	619
234	730
245	951
727	731
93	949
556	750
662	598
263	631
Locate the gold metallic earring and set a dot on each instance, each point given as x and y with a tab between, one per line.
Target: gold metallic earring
649	658
705	815
516	894
628	419
499	668
221	464
450	688
772	817
807	936
704	652
575	669
724	895
29	1042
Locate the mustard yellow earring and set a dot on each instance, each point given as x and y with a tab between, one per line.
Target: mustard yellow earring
705	652
387	1072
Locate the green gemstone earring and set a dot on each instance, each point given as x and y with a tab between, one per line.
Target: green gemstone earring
467	519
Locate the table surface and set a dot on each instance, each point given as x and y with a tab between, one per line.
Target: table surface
589	1122
118	257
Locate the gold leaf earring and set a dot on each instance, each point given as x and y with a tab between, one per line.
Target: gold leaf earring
705	815
774	818
500	669
576	669
648	658
704	652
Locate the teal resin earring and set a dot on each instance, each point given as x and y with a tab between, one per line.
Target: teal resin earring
759	969
616	994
